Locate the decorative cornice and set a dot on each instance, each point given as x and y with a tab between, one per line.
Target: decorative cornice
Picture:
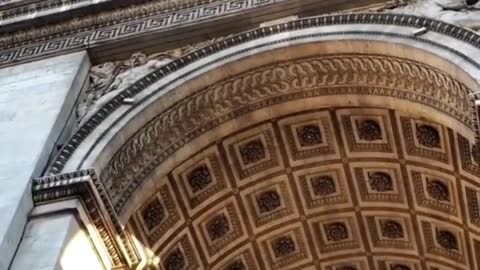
86	186
121	24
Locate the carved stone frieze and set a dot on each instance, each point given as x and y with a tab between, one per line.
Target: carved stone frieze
110	77
223	101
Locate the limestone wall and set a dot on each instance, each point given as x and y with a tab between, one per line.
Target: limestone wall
36	101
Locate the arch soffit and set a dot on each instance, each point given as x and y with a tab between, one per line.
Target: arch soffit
101	143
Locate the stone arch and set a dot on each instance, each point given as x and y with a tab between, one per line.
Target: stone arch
318	63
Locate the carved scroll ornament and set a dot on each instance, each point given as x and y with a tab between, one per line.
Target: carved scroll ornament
328	75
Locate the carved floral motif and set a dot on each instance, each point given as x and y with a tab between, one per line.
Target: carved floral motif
252	151
380	181
153	214
309	135
175	260
323	185
268	201
218	227
283	246
428	136
199	178
167	131
369	130
447	239
336	231
438	190
392	229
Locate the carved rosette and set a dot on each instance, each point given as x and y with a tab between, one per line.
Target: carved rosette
323	185
380	181
218	227
392	229
428	136
252	151
283	246
309	135
369	130
438	190
175	260
199	178
447	240
268	201
153	214
336	231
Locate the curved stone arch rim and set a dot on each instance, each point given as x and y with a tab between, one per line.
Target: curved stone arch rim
456	32
153	93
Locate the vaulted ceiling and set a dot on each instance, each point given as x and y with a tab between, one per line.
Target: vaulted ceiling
332	189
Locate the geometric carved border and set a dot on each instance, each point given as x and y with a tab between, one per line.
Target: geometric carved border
471	199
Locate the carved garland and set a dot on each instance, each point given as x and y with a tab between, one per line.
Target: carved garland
329	75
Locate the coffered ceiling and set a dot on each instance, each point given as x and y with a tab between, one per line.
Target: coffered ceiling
332	189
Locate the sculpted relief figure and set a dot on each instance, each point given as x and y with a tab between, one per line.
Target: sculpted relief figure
108	78
464	13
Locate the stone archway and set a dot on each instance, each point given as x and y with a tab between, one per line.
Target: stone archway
360	144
